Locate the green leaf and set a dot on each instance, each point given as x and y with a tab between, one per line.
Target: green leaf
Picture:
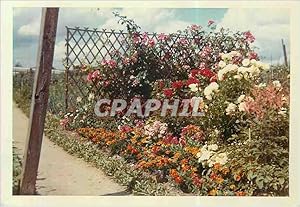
250	175
281	181
259	182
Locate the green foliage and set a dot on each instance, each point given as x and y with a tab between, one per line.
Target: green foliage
17	170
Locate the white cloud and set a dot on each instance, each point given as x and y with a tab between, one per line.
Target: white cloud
269	26
31	29
171	26
150	20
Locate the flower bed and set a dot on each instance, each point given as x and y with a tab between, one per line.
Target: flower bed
239	147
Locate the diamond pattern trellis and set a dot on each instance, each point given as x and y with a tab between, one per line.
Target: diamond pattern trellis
84	45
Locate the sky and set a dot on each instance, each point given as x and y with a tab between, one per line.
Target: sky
269	26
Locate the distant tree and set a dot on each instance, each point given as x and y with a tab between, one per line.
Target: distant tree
18	64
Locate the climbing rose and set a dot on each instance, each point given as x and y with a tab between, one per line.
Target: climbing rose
207	73
162	37
210	22
177	84
249	36
168	92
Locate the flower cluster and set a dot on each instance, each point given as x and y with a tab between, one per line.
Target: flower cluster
208	155
248	68
156	128
210	90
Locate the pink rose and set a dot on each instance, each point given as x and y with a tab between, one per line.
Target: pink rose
151	42
112	63
210	22
249	36
162	37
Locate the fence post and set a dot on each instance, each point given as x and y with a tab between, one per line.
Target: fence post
284	53
67	71
39	100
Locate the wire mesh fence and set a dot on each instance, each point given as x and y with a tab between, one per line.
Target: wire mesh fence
23	86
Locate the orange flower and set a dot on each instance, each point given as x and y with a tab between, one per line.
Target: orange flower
178	179
213	176
173	172
219	180
192	150
240	193
225	170
185	168
217	166
212	192
176	156
237	177
145	140
184	161
133	140
159	143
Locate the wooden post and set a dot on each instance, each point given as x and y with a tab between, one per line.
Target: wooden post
284	53
67	72
39	100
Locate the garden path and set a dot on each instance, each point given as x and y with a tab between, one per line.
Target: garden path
61	173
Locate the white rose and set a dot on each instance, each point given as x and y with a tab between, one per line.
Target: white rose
208	97
246	62
221	158
222	64
212	147
259	64
214	86
230	108
221	75
193	87
254	70
242	106
226	57
261	85
240	98
266	66
253	62
242	70
233	67
237	77
207	91
204	155
277	84
227	68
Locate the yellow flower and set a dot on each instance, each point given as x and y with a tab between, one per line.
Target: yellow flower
213	192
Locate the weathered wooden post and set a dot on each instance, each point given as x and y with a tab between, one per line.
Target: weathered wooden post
39	100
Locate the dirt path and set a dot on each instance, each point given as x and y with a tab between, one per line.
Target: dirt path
60	173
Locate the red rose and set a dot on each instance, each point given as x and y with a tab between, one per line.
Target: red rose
192	80
168	92
194	72
177	84
207	73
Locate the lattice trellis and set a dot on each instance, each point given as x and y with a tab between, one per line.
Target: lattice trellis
89	46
